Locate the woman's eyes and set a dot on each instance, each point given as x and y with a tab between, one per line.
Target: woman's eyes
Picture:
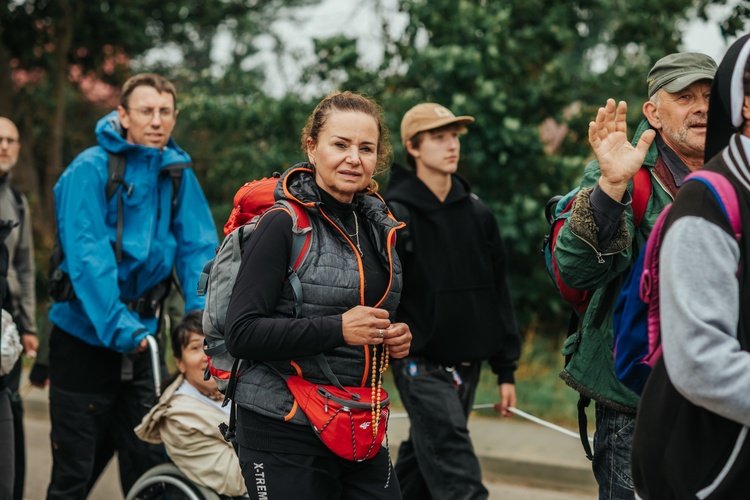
364	149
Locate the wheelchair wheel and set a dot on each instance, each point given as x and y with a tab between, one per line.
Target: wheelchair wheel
166	481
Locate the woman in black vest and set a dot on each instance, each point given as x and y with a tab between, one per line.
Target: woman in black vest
351	282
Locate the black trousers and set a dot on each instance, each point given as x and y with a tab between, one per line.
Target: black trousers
271	475
437	461
6	446
13	381
88	427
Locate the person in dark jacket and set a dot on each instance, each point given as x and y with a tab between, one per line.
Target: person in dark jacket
351	282
600	241
691	433
456	302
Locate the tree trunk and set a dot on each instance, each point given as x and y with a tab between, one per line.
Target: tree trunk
25	177
6	83
54	165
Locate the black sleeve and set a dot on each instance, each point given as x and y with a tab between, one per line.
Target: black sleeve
607	213
503	364
252	332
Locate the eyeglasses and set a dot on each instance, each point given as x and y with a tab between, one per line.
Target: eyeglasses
11	140
147	113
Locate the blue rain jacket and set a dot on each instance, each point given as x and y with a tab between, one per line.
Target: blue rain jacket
153	241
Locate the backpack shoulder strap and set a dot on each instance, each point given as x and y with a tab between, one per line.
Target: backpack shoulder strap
301	230
115	178
725	193
641	194
20	209
175	175
115	174
301	236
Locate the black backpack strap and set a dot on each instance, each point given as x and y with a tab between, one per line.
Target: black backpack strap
174	172
229	431
583	403
115	174
19	208
116	178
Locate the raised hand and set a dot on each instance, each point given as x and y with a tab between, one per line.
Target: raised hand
618	159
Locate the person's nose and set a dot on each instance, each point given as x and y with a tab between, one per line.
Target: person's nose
354	156
155	118
701	106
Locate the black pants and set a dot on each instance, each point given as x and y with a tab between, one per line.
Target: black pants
88	427
437	461
279	476
12	381
6	446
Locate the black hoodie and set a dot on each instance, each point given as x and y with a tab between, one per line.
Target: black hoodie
455	297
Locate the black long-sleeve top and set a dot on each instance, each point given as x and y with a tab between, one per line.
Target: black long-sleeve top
254	334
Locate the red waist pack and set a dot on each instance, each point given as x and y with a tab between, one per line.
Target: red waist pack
347	421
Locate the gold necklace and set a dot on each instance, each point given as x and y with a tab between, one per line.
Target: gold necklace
356	232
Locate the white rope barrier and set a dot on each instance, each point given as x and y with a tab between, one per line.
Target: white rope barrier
518	412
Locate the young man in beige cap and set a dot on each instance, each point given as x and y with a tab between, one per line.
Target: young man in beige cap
455	300
599	242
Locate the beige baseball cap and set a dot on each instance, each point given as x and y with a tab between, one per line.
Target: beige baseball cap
428	116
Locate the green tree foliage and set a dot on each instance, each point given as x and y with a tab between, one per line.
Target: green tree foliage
514	65
235	133
53	47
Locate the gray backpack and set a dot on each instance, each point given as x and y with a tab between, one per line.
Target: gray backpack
219	275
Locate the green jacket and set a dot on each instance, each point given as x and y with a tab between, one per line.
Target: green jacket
583	265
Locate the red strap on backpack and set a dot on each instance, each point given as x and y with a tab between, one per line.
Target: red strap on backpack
641	194
579	299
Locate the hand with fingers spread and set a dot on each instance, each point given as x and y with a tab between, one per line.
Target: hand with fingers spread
618	159
364	325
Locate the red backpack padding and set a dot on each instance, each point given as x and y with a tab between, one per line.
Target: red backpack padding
637	326
579	299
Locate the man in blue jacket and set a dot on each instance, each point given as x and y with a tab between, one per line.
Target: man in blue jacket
119	248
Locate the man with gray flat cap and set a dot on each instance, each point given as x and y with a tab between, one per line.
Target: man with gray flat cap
600	241
456	302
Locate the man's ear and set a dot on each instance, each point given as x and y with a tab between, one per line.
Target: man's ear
412	150
650	112
124	117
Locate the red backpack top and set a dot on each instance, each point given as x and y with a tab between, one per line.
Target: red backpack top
253	198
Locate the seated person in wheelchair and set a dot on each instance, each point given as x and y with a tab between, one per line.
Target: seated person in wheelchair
187	416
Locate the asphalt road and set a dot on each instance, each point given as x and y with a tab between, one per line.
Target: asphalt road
39	465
